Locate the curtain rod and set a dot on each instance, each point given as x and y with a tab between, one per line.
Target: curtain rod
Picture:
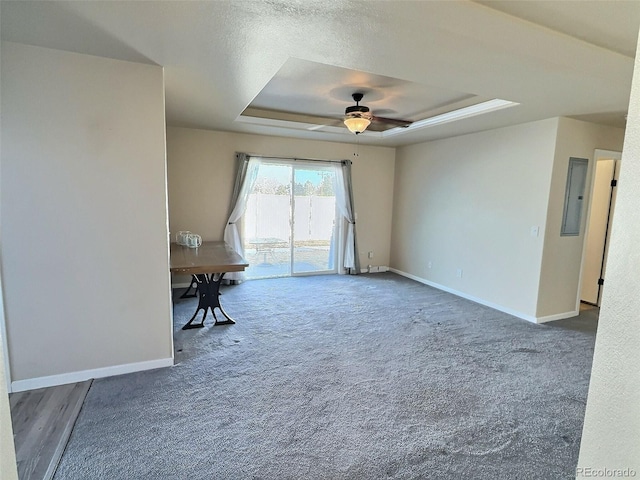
298	159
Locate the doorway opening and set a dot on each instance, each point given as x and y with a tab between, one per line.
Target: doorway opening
603	198
289	227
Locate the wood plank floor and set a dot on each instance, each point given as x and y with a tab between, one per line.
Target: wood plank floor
42	423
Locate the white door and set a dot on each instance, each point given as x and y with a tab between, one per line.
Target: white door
599	230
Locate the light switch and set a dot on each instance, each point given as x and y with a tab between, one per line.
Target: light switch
535	231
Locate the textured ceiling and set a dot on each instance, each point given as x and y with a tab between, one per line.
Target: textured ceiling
554	58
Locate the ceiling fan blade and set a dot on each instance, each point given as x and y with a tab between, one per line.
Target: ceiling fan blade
393	121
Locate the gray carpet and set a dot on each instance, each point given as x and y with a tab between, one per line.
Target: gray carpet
335	377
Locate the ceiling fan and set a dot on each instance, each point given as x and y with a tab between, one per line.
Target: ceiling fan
358	117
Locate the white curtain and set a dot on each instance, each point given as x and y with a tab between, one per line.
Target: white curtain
246	174
344	201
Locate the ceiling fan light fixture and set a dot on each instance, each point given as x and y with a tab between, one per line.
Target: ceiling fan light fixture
357	125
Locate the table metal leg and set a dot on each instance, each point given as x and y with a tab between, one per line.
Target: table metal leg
193	285
208	289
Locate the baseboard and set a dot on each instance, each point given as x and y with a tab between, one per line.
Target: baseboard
558	316
81	376
180	285
481	301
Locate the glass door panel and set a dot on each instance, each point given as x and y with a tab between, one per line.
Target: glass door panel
267	224
314	215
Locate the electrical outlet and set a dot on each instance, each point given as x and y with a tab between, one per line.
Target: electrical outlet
370	254
459	273
429	265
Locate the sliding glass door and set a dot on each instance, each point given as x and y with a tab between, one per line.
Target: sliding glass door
289	225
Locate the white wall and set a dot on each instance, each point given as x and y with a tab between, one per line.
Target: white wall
84	216
469	203
201	171
562	257
611	433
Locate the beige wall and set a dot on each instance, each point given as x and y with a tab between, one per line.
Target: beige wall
611	431
562	257
201	175
469	203
8	470
84	218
